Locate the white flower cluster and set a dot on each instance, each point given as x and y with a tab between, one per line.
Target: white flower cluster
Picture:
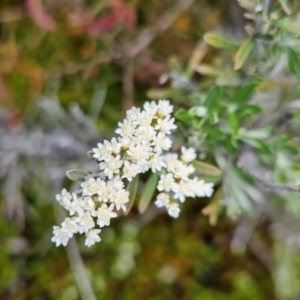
140	146
142	138
175	184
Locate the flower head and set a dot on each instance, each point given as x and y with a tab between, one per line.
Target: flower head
141	144
173	210
92	186
188	154
61	236
104	214
92	237
162	199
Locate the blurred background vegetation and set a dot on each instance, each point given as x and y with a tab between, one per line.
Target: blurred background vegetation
68	71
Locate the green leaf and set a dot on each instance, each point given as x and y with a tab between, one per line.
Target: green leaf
214	134
248	110
245	92
76	174
220	42
234	124
206	168
148	192
133	187
259	133
230	145
198	123
243	53
293	62
287	25
183	115
212	96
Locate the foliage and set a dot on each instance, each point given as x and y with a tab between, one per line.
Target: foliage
236	99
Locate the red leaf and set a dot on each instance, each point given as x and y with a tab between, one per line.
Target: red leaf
102	25
12	119
123	12
39	15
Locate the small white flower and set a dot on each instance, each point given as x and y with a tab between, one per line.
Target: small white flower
173	210
139	152
64	198
108	192
92	237
111	188
161	142
76	206
86	222
92	187
121	197
150	108
126	128
61	236
156	163
166	182
70	225
111	166
115	146
164	108
171	162
130	170
104	214
125	142
188	154
201	188
117	183
88	204
145	134
144	119
165	125
133	113
208	189
162	199
182	170
102	151
183	190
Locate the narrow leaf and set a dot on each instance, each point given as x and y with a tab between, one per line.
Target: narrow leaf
244	93
206	168
212	96
76	174
285	6
289	26
148	192
246	4
133	187
220	42
183	115
243	53
212	210
206	69
234	124
293	62
39	15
